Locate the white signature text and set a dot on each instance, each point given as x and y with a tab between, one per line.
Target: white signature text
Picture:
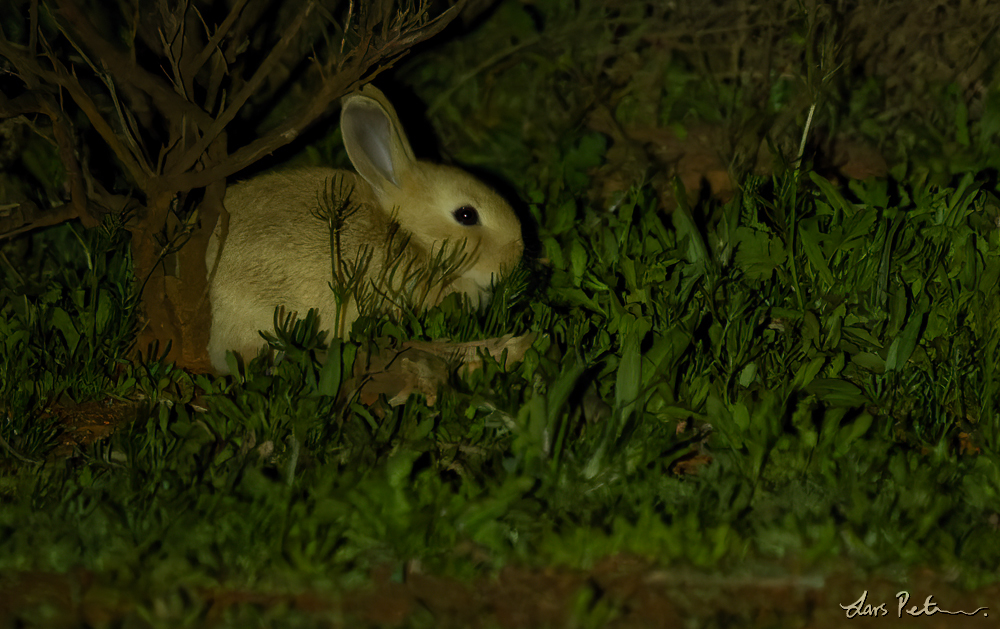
862	607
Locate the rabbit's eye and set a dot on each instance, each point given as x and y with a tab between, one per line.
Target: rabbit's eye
466	215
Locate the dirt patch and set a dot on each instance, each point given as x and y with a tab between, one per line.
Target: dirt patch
86	423
620	591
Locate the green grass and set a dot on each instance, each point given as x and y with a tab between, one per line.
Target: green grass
833	349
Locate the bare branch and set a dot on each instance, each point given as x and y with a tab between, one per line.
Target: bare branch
194	153
126	71
416	35
338	84
140	172
246	23
280	136
241	19
33	26
219	70
405	34
128	131
67	154
213	44
30	217
180	46
178	78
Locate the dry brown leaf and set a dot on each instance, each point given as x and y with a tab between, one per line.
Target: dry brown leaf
423	367
966	445
89	422
857	160
468	354
626	162
657	154
691	464
698	157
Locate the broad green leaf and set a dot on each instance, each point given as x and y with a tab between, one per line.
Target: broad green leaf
852	432
330	372
578	261
810	244
832	195
903	345
629	379
863	335
808	371
698	252
62	322
869	361
741	416
105	308
837	392
399	466
748	374
561	389
757	254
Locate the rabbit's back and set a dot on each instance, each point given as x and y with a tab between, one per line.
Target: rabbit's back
277	252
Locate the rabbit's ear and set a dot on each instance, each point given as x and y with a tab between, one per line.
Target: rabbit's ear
374	139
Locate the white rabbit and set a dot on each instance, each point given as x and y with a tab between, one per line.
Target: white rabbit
401	211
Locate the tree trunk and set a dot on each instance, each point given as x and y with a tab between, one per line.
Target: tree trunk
175	306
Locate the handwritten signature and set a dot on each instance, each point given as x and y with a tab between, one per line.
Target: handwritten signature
862	607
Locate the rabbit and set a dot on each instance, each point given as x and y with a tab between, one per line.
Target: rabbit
400	212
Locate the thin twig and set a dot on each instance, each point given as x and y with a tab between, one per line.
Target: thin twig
445	96
130	133
194	153
33	28
127	72
32	102
213	43
14	453
805	135
135	164
38	218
